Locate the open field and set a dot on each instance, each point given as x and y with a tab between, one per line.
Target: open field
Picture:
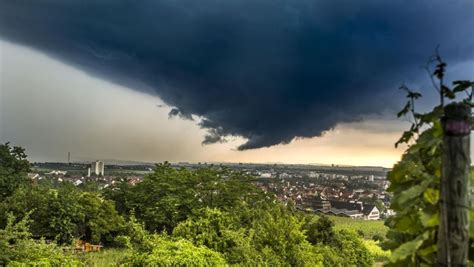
107	257
369	228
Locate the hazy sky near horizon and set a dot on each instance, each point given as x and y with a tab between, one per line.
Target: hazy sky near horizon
51	108
294	81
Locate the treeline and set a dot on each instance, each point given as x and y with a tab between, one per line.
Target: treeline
208	216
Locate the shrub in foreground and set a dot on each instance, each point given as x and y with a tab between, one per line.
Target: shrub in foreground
18	249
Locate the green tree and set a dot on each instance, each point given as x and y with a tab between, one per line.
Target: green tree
101	220
221	231
64	213
279	236
14	168
352	250
167	252
161	250
168	195
121	193
320	231
32	200
18	249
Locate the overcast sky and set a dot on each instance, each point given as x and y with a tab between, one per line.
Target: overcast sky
308	82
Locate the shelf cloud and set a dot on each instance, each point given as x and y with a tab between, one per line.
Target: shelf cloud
267	70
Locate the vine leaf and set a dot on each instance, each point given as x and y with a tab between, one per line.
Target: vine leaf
431	196
405	110
407	135
429	219
469	103
447	92
412	193
440	69
414	95
428	250
409	248
461	85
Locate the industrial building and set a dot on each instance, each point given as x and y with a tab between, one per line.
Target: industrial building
97	167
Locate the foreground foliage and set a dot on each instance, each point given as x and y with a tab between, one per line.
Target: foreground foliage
14	168
415	180
18	249
175	217
64	213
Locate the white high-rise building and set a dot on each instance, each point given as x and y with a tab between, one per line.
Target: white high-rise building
97	167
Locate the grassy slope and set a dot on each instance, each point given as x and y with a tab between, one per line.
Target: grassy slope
107	257
369	228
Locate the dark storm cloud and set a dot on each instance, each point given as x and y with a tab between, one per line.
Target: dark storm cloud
267	70
176	112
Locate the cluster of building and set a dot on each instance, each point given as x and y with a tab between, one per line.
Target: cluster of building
353	195
82	173
351	209
354	192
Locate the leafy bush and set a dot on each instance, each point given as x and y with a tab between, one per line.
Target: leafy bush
14	168
64	213
330	256
274	237
169	196
18	249
376	251
378	237
167	252
219	231
320	230
352	249
161	250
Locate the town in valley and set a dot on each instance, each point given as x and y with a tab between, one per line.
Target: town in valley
347	191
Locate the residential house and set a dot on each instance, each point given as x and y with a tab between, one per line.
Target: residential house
354	210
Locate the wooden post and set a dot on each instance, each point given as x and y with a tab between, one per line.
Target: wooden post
453	231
